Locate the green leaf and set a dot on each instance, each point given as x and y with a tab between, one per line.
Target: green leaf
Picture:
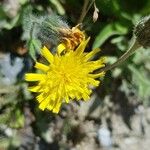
37	44
19	119
2	13
141	81
9	25
32	51
58	6
34	46
108	31
23	2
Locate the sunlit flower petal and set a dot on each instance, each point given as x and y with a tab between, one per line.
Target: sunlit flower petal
68	76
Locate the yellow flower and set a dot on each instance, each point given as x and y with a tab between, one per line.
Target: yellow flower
68	76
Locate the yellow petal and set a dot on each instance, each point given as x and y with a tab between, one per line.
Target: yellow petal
91	54
35	89
93	65
85	97
40	97
57	108
67	98
97	75
61	47
44	103
50	106
47	54
93	82
41	66
81	47
34	77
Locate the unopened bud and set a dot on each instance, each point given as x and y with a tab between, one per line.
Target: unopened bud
142	32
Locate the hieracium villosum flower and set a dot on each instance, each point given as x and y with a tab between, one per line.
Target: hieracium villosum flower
69	76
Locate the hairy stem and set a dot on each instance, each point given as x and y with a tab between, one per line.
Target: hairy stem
128	53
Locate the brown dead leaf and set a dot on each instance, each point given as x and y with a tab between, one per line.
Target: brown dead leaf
95	14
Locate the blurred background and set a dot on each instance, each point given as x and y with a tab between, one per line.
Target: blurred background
116	117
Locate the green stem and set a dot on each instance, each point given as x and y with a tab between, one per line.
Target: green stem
85	9
128	53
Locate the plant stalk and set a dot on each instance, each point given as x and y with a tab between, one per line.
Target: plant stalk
135	45
86	6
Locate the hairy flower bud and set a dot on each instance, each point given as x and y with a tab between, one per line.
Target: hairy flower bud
142	32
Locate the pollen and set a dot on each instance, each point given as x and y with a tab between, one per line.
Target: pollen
69	76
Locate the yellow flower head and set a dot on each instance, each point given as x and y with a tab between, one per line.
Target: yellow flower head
68	76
